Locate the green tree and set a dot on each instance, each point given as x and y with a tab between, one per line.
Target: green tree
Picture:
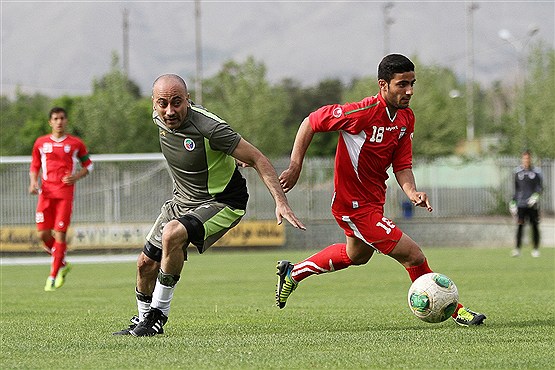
326	92
440	119
540	102
361	88
23	120
114	119
537	131
303	101
242	96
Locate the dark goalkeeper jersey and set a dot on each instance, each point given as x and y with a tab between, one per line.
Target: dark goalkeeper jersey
527	182
198	154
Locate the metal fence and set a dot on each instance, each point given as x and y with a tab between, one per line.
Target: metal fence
132	188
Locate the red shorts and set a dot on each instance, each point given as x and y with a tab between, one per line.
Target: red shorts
53	214
372	228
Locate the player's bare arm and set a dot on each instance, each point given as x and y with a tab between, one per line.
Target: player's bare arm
34	182
405	179
250	155
72	179
290	176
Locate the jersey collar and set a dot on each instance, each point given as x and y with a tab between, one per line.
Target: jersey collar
382	101
58	139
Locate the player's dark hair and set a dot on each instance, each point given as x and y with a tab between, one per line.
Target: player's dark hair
56	110
394	63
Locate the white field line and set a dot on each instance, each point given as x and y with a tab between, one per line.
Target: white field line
26	261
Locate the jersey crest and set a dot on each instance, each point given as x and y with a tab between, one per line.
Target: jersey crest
189	144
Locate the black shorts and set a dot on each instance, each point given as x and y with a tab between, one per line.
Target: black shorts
531	214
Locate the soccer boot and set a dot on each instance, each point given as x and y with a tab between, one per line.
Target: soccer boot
50	284
127	331
61	277
465	317
151	325
285	284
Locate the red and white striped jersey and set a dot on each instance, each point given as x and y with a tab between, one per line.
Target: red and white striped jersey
369	142
56	158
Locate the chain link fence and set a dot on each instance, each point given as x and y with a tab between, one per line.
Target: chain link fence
132	188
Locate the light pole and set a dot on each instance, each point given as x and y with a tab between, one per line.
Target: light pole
520	46
470	71
388	21
126	42
198	54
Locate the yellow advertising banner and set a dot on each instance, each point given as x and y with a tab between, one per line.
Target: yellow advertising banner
254	234
19	239
125	236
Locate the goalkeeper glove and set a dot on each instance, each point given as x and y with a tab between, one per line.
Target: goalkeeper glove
512	208
533	200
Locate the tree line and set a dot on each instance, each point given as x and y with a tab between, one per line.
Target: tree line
116	116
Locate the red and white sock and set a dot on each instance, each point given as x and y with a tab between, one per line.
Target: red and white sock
332	258
58	258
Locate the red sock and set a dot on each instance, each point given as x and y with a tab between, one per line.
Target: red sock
48	245
58	257
416	271
459	306
332	258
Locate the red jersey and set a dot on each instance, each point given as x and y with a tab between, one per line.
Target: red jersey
369	142
58	158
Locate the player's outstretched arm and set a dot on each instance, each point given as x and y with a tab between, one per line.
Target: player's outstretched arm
290	176
406	181
250	155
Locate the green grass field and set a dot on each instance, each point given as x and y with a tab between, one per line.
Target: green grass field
223	316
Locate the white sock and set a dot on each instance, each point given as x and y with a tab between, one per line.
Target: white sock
143	308
162	297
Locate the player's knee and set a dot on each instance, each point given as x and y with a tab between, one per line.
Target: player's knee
415	256
409	256
362	258
60	236
359	254
174	234
147	265
44	235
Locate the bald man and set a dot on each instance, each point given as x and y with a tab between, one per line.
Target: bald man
209	196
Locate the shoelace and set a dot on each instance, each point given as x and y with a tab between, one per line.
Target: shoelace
466	315
287	288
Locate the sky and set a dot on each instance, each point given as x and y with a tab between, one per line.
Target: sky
59	47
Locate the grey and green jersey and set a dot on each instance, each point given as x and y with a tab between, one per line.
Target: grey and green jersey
200	162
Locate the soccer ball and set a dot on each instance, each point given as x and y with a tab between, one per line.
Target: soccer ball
433	297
